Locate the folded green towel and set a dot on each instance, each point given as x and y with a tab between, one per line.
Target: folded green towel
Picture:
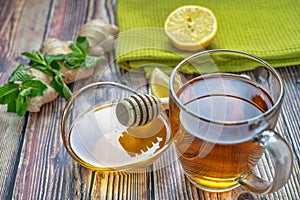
268	29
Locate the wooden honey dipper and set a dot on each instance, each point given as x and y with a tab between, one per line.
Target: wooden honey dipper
139	109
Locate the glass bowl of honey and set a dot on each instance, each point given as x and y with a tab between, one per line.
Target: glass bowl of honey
95	138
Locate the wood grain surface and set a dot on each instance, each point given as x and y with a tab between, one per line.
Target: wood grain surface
33	162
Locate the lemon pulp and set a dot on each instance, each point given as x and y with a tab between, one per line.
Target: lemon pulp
191	27
159	83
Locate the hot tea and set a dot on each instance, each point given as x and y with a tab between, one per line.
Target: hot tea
214	155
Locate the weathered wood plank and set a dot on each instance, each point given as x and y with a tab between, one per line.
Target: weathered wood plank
45	165
11	138
66	19
289	126
120	185
15	27
31	21
46	171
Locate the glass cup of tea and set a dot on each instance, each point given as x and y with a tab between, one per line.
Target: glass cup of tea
222	116
95	138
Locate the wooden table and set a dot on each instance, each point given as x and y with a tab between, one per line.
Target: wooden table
33	162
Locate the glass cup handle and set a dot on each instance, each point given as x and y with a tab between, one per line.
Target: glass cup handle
282	155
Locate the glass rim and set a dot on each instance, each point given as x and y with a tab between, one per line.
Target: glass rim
79	91
276	104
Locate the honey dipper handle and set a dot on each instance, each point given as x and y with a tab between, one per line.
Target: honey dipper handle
165	102
140	109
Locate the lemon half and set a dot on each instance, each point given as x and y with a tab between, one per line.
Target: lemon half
191	27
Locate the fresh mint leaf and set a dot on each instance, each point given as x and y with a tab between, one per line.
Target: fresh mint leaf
56	66
79	57
8	93
21	104
25	92
11	107
48	64
60	87
37	61
67	92
75	48
50	58
42	68
35	88
83	44
91	61
35	57
21	74
74	60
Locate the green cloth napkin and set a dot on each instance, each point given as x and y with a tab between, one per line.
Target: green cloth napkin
268	29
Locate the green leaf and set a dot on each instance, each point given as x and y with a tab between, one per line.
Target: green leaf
50	58
11	107
79	55
56	65
83	44
25	92
8	93
67	92
31	56
43	63
21	105
52	64
74	60
21	74
91	61
43	68
75	48
35	57
60	87
35	87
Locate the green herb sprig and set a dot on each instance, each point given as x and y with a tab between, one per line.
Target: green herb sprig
79	57
19	88
50	65
22	86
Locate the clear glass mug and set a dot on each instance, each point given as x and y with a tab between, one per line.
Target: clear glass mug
223	121
94	137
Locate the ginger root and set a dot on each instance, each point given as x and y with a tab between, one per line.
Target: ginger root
35	104
100	36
